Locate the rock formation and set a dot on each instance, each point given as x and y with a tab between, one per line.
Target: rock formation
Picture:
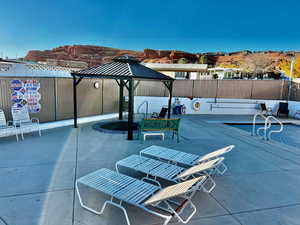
94	55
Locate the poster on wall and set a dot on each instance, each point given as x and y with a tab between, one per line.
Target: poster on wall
26	94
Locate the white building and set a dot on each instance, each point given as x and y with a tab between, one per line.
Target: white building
221	73
195	71
179	71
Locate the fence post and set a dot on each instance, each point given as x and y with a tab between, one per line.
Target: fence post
217	90
252	85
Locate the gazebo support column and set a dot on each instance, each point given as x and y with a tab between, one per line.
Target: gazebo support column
170	99
121	100
130	108
75	83
169	86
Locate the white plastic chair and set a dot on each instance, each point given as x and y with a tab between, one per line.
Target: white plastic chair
22	120
7	128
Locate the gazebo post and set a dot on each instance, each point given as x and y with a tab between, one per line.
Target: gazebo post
75	101
170	88
75	83
130	108
121	100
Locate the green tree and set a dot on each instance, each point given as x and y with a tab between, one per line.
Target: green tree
183	61
285	66
203	59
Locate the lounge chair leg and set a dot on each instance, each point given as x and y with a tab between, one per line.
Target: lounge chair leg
211	187
178	212
167	221
110	202
221	169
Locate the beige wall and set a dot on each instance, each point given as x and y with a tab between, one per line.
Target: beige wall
57	94
234	89
86	94
183	88
151	88
47	98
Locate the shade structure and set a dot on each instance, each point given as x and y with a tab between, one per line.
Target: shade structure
123	67
125	70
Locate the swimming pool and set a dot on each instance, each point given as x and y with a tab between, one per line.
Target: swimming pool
290	134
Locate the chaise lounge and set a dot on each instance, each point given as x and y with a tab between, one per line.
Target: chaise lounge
149	197
185	159
157	169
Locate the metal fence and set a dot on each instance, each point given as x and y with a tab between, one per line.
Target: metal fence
295	91
57	94
242	89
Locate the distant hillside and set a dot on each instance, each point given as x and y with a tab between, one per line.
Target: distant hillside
94	55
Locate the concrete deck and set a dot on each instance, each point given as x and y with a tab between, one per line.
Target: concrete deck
37	176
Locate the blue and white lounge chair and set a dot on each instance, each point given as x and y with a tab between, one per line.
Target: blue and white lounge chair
157	169
146	196
183	158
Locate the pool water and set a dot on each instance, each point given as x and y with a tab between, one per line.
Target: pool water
290	134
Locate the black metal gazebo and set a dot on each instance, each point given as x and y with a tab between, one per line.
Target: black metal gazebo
125	70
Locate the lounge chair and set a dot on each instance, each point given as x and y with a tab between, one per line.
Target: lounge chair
265	110
161	115
283	109
7	128
22	120
146	196
185	159
157	169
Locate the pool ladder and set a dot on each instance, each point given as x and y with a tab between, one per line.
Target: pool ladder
267	126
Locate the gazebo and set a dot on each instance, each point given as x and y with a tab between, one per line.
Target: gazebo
125	70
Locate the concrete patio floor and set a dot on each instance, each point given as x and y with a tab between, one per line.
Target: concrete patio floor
37	176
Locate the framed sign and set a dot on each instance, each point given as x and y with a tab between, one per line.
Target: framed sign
26	93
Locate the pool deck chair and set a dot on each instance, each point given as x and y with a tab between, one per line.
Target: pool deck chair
22	120
7	128
157	169
185	159
283	109
149	197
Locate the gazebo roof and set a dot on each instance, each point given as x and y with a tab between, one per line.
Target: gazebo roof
122	67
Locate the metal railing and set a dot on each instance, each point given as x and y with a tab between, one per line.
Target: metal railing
266	127
147	107
268	120
254	122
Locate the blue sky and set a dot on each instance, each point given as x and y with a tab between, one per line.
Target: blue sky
190	25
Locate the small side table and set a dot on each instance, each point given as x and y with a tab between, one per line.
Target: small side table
153	133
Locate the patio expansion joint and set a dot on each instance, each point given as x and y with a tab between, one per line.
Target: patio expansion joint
3	221
265	209
35	193
227	210
75	174
37	164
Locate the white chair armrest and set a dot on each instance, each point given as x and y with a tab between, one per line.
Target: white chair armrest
10	124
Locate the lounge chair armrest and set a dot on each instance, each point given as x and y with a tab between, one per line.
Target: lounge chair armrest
10	123
35	120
